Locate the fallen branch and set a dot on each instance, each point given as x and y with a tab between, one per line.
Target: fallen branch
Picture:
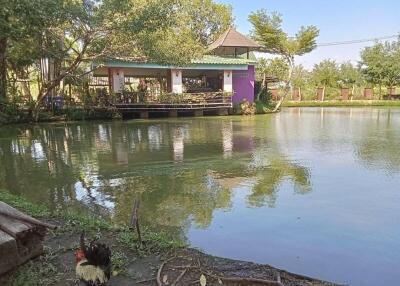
235	280
249	281
242	280
180	277
135	220
145	280
159	283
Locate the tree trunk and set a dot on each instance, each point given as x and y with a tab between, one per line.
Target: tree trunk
3	68
352	92
22	74
300	99
263	86
288	86
380	91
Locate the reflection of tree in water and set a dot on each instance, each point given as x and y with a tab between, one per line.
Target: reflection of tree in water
378	146
176	168
36	162
269	178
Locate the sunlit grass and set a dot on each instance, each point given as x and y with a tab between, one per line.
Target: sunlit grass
336	103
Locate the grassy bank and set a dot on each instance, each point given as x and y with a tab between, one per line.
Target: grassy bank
158	258
157	241
64	240
338	103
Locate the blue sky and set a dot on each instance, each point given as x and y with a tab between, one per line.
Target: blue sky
337	20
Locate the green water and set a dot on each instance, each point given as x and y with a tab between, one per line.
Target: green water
311	190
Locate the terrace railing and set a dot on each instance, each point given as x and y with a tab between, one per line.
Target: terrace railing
203	98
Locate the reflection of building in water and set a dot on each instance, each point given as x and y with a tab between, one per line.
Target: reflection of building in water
37	151
243	143
178	144
121	153
227	138
154	133
103	137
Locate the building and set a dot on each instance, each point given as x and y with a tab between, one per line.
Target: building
222	78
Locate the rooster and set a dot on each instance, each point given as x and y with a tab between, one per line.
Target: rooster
93	263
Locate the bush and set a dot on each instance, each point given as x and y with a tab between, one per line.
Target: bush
262	108
248	108
74	113
265	96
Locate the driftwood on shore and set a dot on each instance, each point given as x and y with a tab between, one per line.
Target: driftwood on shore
21	237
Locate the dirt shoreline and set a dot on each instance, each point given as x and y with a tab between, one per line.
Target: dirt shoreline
180	266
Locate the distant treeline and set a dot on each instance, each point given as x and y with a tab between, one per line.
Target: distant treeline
374	77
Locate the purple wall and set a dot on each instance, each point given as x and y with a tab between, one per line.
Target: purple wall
243	85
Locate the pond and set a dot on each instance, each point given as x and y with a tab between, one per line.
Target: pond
314	191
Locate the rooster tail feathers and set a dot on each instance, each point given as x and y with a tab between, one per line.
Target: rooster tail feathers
98	254
82	241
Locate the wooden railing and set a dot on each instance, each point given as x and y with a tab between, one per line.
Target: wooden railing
174	98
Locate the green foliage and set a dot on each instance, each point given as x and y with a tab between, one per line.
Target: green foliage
349	75
84	222
206	19
119	260
326	73
34	274
153	241
23	204
262	107
380	63
276	67
264	96
71	34
300	77
267	31
73	113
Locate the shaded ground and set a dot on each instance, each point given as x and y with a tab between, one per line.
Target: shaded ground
133	266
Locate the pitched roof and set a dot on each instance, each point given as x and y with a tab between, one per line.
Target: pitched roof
207	62
212	59
232	38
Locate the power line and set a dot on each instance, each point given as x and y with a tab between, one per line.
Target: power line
357	41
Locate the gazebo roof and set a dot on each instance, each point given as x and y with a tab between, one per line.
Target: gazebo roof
233	39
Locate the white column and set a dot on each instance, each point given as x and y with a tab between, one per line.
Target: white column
228	81
176	81
118	80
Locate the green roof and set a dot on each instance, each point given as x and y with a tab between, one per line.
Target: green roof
207	62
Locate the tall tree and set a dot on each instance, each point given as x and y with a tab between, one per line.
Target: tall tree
380	64
326	74
276	68
206	19
373	65
349	76
268	32
300	78
22	25
69	32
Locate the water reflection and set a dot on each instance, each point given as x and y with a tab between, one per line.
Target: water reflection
183	170
254	174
